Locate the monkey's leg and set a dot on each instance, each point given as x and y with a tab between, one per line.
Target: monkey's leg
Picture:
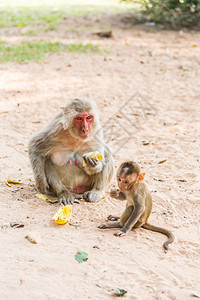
64	196
38	162
93	195
111	224
123	219
130	218
118	224
126	215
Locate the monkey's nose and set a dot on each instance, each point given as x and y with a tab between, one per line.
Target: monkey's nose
84	130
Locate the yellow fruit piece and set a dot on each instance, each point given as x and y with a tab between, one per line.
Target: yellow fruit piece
12	181
45	198
63	214
96	155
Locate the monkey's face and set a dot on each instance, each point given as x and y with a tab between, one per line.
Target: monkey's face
125	182
83	124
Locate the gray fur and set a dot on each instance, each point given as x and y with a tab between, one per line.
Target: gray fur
45	145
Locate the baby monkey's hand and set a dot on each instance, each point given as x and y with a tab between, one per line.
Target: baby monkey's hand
114	193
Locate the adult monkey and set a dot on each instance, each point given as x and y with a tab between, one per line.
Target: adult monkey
57	154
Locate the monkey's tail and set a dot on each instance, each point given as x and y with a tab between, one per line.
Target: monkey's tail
163	231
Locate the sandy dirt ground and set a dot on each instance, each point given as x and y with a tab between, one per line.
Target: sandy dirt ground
164	68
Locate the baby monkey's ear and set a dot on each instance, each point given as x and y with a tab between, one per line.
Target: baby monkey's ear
141	177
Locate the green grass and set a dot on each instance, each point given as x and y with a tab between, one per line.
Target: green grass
36	50
28	13
83	48
28	17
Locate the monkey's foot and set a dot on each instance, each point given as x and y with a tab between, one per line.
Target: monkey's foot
113	218
102	226
119	233
66	198
91	196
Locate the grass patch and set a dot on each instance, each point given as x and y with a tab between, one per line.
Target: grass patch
28	17
36	50
31	14
83	48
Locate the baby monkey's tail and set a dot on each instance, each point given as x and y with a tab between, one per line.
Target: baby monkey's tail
163	231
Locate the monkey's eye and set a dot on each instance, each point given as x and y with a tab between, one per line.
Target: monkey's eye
89	117
125	182
119	179
78	118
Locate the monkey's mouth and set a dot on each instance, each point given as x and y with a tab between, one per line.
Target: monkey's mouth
84	134
123	188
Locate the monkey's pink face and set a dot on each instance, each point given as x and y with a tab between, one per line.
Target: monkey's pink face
83	123
125	182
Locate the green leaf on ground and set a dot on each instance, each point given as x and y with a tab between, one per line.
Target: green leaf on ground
145	143
120	292
81	256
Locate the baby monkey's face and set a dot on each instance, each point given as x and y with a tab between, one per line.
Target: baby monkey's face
125	182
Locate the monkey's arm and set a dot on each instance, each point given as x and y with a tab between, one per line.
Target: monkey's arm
101	179
115	193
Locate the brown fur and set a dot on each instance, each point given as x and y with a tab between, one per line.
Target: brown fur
138	206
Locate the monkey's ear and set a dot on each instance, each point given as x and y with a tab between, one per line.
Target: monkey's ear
141	177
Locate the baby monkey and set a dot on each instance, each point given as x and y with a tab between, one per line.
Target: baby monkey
138	206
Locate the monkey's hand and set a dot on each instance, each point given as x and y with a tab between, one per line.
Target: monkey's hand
114	193
66	198
119	233
92	166
113	218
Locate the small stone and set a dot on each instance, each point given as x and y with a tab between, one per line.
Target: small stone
31	239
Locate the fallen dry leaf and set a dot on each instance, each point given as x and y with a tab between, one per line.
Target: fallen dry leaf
158	179
182	180
16	225
162	161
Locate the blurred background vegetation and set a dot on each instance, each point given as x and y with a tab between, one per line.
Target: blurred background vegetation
28	29
173	14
